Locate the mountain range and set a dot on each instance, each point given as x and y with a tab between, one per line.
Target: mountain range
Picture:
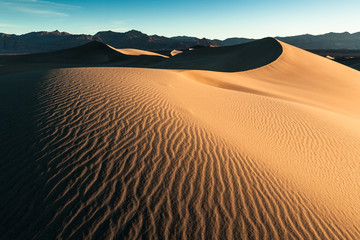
50	41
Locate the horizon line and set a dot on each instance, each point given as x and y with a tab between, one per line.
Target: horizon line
71	33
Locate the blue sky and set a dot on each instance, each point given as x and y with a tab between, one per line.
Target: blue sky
211	19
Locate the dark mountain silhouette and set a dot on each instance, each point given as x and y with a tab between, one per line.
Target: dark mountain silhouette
325	41
40	41
331	40
234	41
51	41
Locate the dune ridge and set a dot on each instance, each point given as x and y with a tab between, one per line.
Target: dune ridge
124	153
137	52
226	59
93	54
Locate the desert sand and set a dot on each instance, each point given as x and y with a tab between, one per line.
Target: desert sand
254	141
135	52
175	52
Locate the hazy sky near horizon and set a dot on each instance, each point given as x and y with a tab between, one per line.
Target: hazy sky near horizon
211	19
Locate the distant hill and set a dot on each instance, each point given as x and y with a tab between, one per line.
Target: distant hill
40	41
51	41
325	41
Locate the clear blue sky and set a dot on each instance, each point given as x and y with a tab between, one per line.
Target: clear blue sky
210	18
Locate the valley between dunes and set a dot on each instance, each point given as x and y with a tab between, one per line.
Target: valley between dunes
256	141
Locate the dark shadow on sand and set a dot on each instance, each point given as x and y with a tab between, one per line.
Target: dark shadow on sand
95	54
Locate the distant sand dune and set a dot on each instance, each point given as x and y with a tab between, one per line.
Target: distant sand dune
137	52
93	54
128	153
175	52
226	59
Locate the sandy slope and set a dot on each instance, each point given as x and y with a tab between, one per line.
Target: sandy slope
93	54
226	59
108	152
138	52
175	52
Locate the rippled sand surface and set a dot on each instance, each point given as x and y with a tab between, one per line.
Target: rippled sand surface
128	153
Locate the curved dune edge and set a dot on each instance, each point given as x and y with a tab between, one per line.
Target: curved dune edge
175	52
224	59
310	104
136	52
235	58
127	153
296	75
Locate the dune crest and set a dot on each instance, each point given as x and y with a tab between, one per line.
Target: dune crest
137	52
175	52
226	59
265	149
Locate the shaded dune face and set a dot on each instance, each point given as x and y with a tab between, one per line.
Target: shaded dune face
93	54
128	153
225	59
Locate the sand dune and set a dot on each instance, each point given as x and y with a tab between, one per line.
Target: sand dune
137	52
126	153
226	59
175	52
93	54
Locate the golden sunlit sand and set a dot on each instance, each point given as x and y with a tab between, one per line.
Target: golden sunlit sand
137	52
255	141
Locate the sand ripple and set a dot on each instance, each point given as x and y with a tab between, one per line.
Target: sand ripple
107	153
